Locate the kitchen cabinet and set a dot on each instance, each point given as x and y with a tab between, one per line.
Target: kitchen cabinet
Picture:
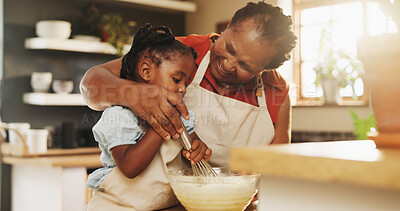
54	183
342	175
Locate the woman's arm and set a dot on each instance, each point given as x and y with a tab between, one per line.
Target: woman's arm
133	159
283	123
101	87
99	78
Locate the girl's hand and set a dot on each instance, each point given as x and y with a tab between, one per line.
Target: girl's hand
198	151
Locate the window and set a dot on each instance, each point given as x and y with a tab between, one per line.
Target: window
344	23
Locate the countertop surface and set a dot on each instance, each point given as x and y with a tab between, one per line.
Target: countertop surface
91	159
351	162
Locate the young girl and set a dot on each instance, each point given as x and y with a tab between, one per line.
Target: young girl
141	156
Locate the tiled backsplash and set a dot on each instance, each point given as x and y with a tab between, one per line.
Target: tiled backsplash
306	136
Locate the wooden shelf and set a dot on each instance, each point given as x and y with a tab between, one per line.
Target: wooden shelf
171	5
53	99
73	45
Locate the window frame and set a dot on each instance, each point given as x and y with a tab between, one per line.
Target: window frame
298	6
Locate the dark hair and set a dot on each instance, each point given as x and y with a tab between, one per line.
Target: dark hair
272	25
155	42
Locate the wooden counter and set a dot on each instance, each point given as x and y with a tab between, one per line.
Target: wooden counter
340	174
87	161
55	181
353	162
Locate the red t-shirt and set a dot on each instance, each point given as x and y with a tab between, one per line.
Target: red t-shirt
275	86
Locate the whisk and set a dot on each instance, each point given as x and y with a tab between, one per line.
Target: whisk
201	168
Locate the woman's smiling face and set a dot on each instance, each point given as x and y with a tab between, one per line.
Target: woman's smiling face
239	54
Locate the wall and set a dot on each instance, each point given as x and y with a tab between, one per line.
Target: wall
211	12
326	118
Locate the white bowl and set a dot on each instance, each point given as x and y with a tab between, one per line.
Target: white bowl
53	29
229	191
62	86
41	81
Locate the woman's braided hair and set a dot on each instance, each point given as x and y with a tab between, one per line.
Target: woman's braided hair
272	26
157	43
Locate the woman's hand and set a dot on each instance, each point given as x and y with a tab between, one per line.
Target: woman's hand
102	87
198	151
158	106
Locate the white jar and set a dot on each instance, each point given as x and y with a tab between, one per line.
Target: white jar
21	127
37	140
41	81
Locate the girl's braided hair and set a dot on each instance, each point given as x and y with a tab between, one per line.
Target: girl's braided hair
158	44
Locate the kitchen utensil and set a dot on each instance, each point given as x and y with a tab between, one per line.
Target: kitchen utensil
22	128
41	81
53	29
201	168
62	86
13	149
228	191
36	139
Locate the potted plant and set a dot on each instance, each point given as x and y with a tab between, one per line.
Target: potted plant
115	31
110	27
362	126
90	21
335	69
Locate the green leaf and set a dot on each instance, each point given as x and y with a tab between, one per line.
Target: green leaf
117	30
362	126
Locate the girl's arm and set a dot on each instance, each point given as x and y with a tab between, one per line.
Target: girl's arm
283	123
133	159
102	87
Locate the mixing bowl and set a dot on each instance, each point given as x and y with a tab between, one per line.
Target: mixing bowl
229	191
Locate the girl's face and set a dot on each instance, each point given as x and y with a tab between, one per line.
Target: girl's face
238	54
175	74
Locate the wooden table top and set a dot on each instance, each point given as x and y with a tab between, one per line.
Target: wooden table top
88	158
351	162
